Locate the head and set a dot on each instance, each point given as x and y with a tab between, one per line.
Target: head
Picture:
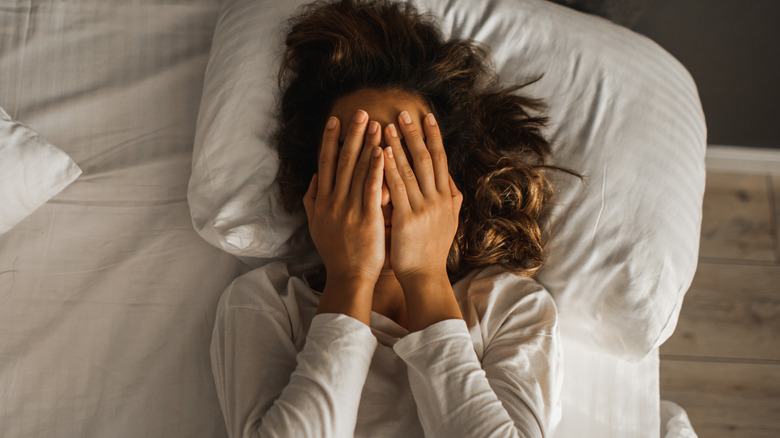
385	58
382	106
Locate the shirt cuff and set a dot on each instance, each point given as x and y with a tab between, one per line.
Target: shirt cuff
340	326
449	328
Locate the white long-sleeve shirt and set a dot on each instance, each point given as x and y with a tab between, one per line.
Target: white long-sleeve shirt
281	371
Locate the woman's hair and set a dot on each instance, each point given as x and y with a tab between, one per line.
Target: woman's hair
495	149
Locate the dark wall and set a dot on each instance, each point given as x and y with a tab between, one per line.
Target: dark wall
732	50
730	47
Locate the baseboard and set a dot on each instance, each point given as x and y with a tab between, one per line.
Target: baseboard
739	159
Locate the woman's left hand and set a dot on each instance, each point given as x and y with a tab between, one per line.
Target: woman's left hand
426	202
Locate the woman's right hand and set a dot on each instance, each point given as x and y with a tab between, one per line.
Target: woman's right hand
343	203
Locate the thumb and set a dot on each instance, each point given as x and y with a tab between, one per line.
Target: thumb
310	197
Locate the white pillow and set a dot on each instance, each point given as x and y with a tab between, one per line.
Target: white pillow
624	113
32	171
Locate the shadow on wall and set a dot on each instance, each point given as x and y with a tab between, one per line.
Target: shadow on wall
623	12
730	49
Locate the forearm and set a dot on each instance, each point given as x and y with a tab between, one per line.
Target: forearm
462	390
429	299
453	394
268	389
323	394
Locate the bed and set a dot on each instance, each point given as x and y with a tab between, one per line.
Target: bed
136	184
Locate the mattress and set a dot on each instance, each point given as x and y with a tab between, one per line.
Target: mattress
607	397
107	294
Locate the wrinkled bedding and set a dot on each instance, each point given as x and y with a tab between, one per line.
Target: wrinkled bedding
107	293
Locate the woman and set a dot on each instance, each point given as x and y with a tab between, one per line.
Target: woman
427	323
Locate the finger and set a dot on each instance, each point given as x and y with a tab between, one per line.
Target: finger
435	146
373	138
457	196
373	194
310	197
398	193
402	166
423	167
350	153
329	151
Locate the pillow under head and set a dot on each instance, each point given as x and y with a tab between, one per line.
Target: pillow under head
624	113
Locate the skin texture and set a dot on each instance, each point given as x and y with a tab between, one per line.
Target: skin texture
383	221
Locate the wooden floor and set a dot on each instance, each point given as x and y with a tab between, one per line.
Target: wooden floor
723	362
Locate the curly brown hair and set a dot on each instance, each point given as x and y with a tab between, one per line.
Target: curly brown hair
495	149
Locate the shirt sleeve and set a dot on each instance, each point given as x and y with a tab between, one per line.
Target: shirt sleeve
512	392
266	388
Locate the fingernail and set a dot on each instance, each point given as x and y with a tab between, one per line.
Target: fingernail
373	127
332	122
389	151
392	131
360	116
406	118
431	120
376	152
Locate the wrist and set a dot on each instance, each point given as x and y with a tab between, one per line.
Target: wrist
348	295
429	299
358	282
423	278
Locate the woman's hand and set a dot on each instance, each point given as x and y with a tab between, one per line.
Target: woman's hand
426	205
343	205
426	202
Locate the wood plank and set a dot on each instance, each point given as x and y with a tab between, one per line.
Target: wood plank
775	199
742	159
732	400
730	311
737	222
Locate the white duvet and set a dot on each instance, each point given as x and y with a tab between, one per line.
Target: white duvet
107	293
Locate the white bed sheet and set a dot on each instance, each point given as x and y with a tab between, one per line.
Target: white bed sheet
607	397
107	294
